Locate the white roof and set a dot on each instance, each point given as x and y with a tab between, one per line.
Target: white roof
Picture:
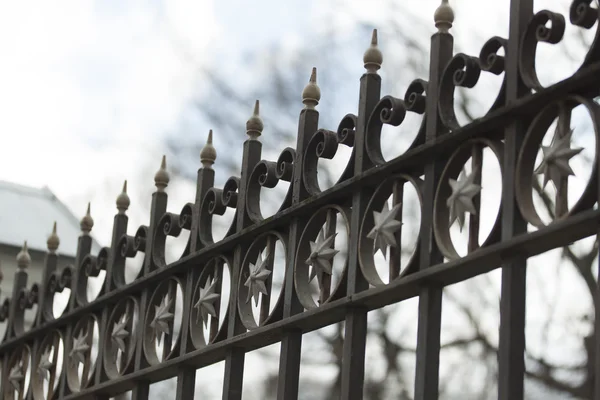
28	213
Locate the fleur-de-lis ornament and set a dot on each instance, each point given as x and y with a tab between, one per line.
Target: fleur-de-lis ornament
321	256
206	302
258	275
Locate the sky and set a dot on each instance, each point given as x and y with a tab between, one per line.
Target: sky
89	90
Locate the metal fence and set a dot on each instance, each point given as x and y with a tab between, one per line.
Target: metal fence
133	324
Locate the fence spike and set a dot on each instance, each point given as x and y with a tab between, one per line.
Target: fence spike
87	222
208	155
123	199
255	126
444	17
373	56
23	258
311	93
53	240
161	178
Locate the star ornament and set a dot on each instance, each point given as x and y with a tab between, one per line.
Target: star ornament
321	256
256	281
45	365
16	377
80	348
386	225
162	316
555	161
460	201
119	333
206	302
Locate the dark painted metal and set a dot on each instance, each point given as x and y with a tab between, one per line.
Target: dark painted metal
511	128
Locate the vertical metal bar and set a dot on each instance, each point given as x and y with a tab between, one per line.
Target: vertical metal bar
511	363
234	361
355	330
563	127
330	227
265	300
396	252
475	220
291	343
186	377
430	298
157	210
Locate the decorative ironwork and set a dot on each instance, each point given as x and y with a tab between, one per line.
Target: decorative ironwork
256	286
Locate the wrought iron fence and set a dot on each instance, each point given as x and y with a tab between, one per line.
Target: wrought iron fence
133	323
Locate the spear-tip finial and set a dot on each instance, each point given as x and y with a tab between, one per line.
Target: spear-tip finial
208	155
311	93
87	222
123	199
443	17
161	178
53	240
23	258
373	56
255	126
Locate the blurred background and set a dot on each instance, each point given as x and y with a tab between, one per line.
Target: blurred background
93	93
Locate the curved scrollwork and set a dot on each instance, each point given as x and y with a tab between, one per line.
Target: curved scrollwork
268	174
392	111
171	225
128	247
216	201
323	144
537	32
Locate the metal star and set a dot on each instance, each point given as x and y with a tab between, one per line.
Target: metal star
206	300
256	281
386	225
80	347
461	199
16	377
45	365
555	163
119	333
162	316
321	256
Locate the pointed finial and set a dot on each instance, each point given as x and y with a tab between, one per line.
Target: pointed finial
123	200
161	178
208	155
23	258
373	56
254	126
311	93
443	17
87	222
53	240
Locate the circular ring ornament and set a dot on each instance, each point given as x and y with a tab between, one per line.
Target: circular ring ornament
256	278
460	197
380	228
553	167
120	338
315	256
48	365
82	354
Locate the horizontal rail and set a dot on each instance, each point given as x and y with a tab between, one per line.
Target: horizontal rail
410	162
556	235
